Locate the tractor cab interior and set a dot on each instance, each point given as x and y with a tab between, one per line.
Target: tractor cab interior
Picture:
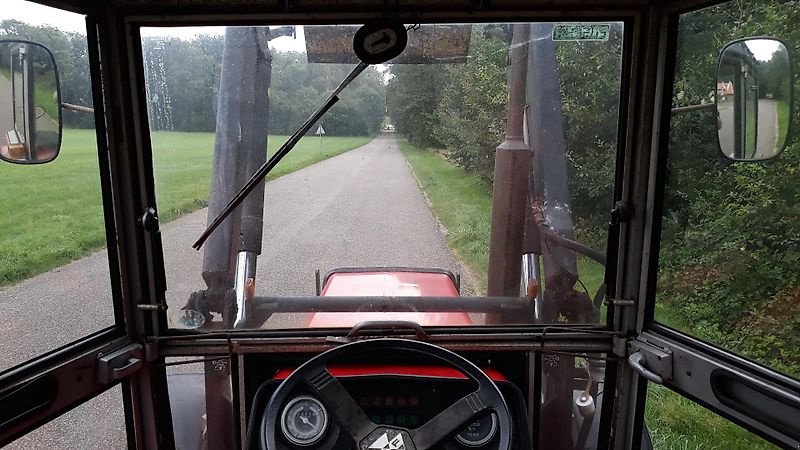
402	225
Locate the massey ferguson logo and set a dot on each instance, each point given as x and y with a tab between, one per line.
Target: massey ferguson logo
383	443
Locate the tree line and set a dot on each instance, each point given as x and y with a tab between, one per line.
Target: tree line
461	108
182	80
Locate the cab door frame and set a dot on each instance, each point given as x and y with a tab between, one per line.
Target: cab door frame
42	389
755	397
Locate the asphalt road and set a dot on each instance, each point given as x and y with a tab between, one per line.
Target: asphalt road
6	113
767	128
361	208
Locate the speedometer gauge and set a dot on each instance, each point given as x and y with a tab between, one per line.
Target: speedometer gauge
304	420
478	433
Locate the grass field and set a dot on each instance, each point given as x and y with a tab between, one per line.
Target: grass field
53	212
783	122
462	203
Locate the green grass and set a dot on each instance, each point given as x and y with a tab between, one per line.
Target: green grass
53	212
680	424
43	92
750	132
462	203
783	122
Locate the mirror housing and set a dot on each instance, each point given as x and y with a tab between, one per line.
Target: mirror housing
753	98
30	103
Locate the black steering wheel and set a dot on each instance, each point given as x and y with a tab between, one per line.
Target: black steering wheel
366	434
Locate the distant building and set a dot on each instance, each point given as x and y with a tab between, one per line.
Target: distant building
724	88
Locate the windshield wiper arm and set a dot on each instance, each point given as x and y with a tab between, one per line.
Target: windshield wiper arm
265	168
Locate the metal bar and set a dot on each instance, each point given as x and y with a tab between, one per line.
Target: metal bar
551	173
28	101
532	280
683	109
537	400
238	69
242	400
552	197
132	185
573	344
576	247
393	304
78	108
244	285
255	132
654	43
219	407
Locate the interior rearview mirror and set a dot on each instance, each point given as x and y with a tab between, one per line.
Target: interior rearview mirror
753	99
30	103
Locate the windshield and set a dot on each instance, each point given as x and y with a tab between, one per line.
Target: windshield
383	210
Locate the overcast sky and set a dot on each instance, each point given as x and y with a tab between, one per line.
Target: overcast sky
763	48
36	14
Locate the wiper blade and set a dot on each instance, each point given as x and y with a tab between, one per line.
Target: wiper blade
265	168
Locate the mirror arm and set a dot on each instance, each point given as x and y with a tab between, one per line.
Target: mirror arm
79	108
700	107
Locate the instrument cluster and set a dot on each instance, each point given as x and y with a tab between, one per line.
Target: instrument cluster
402	401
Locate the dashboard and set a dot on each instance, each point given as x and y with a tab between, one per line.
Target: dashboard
403	396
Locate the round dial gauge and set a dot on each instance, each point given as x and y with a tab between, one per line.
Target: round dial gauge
304	420
478	433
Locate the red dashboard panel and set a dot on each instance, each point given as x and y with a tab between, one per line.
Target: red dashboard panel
392	284
356	370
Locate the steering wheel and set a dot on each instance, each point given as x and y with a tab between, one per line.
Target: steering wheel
366	434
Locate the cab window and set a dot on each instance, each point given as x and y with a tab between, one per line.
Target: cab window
729	260
54	272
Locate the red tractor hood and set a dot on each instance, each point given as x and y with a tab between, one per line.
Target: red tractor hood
378	283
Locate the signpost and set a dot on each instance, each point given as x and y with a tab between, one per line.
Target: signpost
320	131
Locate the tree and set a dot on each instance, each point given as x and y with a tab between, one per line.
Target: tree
412	95
469	119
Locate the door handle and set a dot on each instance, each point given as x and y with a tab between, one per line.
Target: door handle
636	360
119	364
131	366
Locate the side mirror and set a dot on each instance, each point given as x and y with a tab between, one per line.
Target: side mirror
753	99
30	103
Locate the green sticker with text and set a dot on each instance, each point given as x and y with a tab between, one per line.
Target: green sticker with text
581	31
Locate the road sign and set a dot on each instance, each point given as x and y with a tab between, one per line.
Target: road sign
320	131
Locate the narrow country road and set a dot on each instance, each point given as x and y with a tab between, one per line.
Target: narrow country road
767	128
767	132
6	115
362	208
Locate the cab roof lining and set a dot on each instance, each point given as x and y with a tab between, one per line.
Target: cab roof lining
380	8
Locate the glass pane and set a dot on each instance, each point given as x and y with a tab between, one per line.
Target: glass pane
54	274
187	397
681	424
730	245
398	173
572	398
97	424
